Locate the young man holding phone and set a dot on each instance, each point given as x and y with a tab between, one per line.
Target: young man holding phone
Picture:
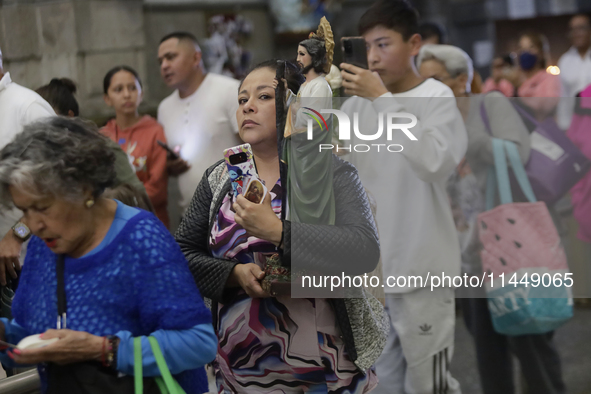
417	231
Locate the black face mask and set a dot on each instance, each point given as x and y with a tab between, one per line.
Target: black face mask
527	61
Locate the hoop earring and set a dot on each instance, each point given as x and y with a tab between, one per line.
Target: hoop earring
89	203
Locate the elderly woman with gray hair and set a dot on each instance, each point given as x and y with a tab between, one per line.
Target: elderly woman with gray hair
104	271
486	117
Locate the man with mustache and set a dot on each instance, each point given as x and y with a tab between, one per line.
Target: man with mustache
199	117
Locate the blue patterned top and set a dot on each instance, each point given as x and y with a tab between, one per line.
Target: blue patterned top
139	283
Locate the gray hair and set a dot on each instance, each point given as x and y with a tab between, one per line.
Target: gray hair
455	60
58	156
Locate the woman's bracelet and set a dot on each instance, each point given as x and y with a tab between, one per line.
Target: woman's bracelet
104	352
114	341
109	353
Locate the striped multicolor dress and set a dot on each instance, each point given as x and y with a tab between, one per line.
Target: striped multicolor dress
277	345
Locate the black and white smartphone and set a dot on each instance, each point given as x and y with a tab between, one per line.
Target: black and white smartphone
241	167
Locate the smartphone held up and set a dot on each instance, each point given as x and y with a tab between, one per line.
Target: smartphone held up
354	51
243	174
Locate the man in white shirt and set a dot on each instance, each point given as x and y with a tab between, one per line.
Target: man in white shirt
417	232
199	117
575	67
19	106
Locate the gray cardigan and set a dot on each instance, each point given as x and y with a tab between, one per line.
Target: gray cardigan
350	246
505	124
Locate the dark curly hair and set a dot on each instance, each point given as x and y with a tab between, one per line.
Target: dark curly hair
58	156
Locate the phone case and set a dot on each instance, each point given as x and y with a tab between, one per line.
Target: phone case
240	173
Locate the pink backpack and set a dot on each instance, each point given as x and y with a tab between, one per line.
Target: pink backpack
580	134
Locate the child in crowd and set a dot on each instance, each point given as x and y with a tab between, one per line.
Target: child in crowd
501	75
409	188
59	93
137	135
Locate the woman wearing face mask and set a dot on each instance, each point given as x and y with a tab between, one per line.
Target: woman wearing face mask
137	135
537	354
539	90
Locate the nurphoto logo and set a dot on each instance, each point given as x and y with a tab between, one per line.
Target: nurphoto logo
391	121
316	118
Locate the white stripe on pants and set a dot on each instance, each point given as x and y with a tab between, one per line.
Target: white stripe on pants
420	346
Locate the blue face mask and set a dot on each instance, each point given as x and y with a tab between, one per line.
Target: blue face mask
527	60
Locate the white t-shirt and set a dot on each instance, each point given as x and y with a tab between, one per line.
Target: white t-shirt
416	227
575	76
203	125
19	106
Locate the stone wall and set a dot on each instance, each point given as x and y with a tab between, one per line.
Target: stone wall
161	19
79	39
83	39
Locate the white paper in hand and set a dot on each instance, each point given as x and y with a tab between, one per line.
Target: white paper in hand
35	342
